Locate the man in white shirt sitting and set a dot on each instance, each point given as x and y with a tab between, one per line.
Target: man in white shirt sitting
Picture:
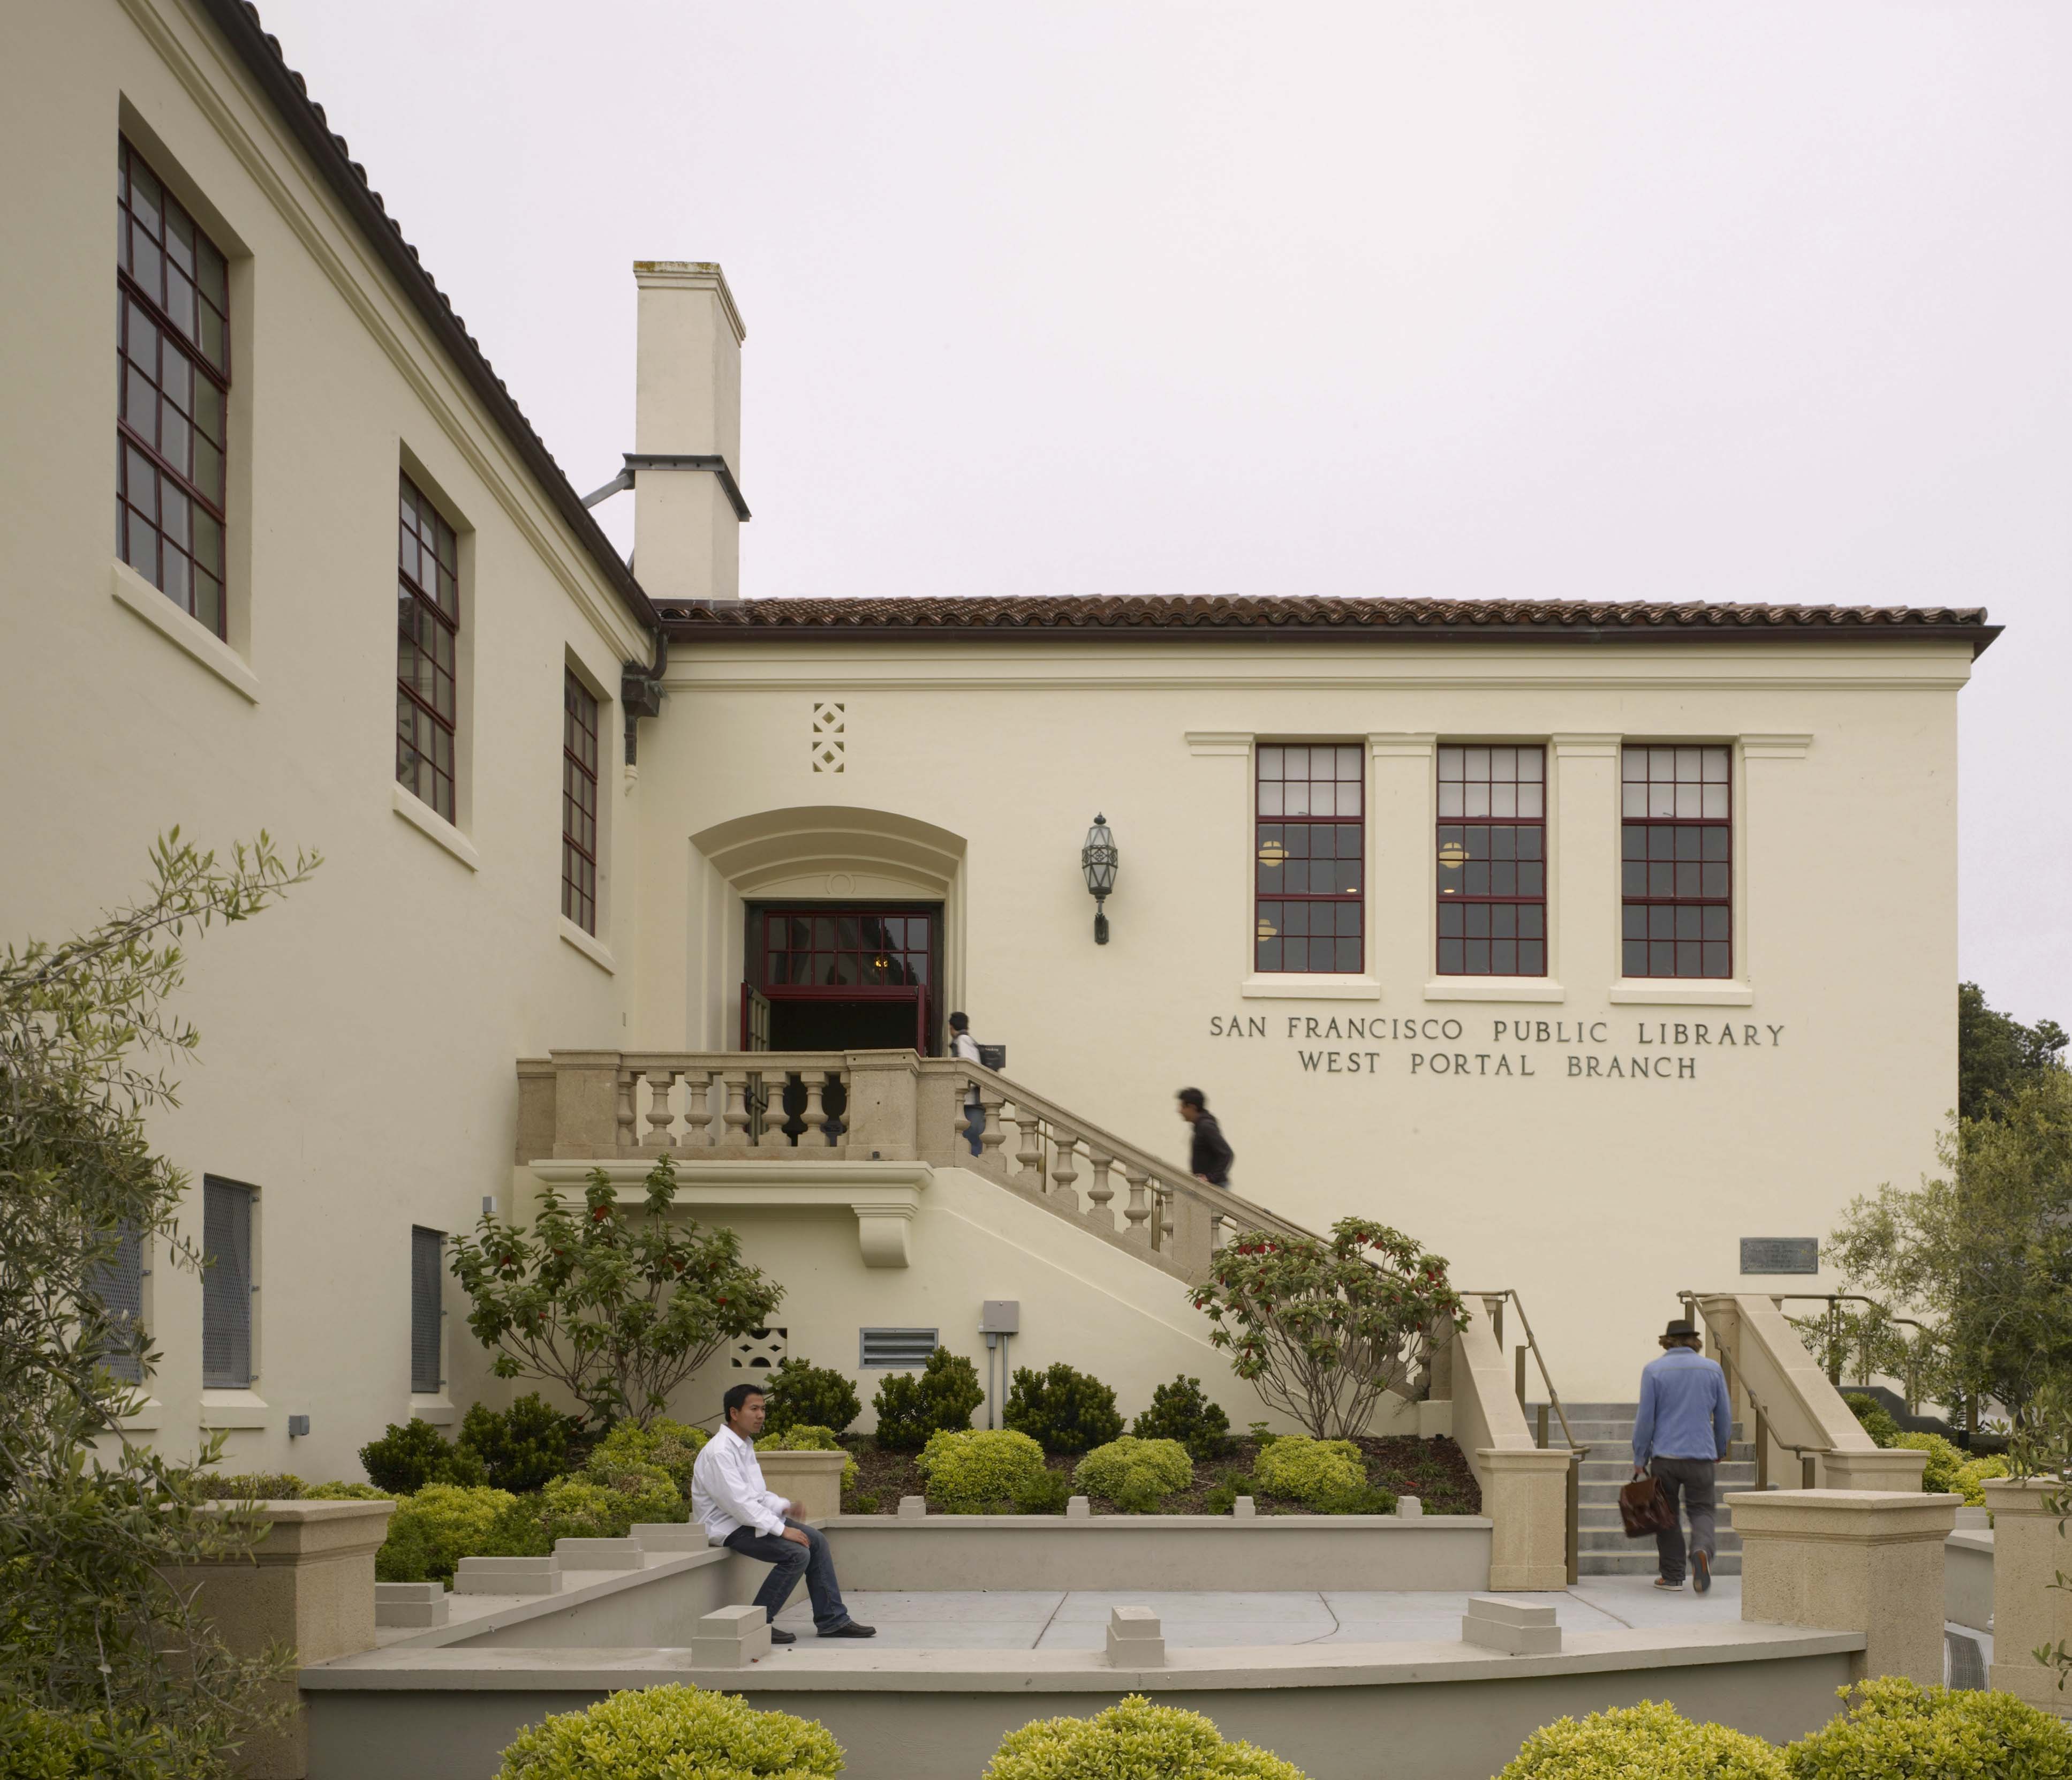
730	1499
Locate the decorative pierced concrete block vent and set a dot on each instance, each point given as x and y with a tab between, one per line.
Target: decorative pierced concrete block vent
759	1350
830	738
897	1350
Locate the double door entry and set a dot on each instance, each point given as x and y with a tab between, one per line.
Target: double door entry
853	976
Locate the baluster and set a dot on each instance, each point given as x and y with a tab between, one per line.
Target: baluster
1100	1192
1031	1155
734	1083
1161	1224
774	1120
1139	1209
629	1086
1064	1171
995	1133
660	1118
697	1116
815	1135
961	1126
1220	1232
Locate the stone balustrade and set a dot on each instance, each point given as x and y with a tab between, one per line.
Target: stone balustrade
890	1106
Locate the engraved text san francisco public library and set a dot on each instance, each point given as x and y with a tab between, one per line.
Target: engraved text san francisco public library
1659	1050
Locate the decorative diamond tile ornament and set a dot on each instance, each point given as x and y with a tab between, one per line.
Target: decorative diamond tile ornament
830	738
759	1350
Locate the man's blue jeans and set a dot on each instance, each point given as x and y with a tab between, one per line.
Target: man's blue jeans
789	1561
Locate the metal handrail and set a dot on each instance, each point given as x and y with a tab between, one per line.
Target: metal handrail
1510	1292
1833	1301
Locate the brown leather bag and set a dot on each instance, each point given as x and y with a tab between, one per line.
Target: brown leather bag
1645	1509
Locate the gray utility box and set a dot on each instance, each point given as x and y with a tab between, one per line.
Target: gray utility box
999	1317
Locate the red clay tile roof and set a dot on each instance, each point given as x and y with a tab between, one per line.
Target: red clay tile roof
1491	620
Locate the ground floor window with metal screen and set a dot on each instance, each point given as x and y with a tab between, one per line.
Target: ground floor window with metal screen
227	1285
117	1283
897	1350
426	1249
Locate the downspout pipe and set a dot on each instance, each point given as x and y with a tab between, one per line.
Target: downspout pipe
640	692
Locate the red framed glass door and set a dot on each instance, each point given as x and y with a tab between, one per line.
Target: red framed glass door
843	976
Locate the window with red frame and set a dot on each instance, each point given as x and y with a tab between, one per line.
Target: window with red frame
1310	859
427	649
578	802
172	351
1492	847
1677	868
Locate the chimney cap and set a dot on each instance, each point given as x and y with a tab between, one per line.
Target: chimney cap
691	275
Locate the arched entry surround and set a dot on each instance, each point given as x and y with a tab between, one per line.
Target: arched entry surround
817	853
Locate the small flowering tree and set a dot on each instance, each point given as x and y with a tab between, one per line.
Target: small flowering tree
1322	1329
617	1306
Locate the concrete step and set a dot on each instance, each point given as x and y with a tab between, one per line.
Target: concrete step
1642	1561
1612	1539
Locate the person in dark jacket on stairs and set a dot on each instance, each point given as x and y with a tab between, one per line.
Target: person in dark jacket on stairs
1683	1427
1210	1160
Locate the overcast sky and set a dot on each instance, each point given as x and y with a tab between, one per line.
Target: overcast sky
1654	301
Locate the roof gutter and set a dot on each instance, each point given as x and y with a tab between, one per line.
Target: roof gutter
305	119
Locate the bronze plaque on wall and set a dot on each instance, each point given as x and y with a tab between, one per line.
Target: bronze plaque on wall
1780	1254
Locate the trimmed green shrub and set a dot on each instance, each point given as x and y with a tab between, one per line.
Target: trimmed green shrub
407	1458
37	1745
1310	1471
1650	1740
1368	1499
1896	1729
1136	1474
1223	1498
608	1498
1972	1474
803	1395
255	1486
345	1492
1876	1422
672	1445
1045	1492
863	1503
1136	1739
521	1447
910	1410
677	1731
1180	1412
977	1472
806	1439
434	1529
1062	1410
1941	1475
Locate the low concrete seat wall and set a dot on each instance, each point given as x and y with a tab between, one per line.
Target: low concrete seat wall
655	1605
1440	1552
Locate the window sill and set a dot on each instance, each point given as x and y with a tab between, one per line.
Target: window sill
1668	994
184	631
1494	988
597	953
234	1409
427	822
1303	986
438	1410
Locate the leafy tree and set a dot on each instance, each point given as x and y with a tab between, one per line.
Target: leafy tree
1983	1252
617	1307
96	1641
1997	1055
1322	1329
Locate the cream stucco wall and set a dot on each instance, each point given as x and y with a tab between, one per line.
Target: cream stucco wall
1598	1197
357	1041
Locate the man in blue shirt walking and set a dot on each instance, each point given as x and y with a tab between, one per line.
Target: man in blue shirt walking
1683	1427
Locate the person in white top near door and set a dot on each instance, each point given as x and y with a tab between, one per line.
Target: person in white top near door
738	1510
963	1045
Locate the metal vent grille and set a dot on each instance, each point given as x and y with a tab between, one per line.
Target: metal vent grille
426	1248
118	1283
897	1350
226	1285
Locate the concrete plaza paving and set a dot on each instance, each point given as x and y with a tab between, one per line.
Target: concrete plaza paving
1077	1620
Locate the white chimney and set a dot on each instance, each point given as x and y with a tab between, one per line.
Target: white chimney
686	459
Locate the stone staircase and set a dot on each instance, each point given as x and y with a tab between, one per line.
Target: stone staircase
1606	1429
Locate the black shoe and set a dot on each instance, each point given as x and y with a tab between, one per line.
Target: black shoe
776	1637
851	1629
1701	1572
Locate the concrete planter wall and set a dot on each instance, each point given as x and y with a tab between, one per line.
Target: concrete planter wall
813	1480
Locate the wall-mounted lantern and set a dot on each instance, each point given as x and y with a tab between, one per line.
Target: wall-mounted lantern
1099	859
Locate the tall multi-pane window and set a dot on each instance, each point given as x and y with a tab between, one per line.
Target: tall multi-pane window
1492	849
172	352
425	1345
117	1283
427	644
1309	850
578	802
226	1285
1677	868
